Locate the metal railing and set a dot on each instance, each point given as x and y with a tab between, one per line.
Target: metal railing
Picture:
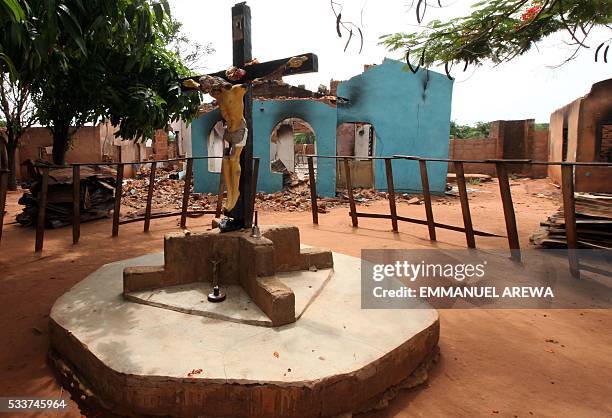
120	168
567	189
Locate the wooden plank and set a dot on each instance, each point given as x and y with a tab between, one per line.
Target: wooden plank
241	54
3	191
349	190
241	36
186	192
190	214
391	193
509	215
266	68
42	208
76	203
431	224
424	222
314	207
147	219
596	270
465	205
569	213
254	184
118	193
219	198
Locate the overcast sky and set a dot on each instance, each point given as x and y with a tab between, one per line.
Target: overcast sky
526	88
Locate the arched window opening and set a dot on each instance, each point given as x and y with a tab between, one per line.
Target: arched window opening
291	141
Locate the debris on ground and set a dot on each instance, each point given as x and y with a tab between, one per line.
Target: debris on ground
97	192
469	178
97	195
167	193
593	224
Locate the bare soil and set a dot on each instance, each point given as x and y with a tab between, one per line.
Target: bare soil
493	362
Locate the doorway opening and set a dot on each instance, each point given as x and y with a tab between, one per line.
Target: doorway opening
356	139
291	141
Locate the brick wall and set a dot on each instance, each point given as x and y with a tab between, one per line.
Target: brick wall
160	145
531	143
539	153
474	149
333	86
86	146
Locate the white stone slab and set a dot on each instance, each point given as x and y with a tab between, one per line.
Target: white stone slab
238	307
95	312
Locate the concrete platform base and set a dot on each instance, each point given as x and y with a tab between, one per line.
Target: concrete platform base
238	307
142	360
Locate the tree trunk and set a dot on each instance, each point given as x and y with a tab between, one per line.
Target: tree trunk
11	149
61	141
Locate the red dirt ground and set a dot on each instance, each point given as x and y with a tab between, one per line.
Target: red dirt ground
493	362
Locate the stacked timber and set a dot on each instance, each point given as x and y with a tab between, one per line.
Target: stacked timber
593	224
96	196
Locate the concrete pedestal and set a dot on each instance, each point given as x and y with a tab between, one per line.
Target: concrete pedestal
147	360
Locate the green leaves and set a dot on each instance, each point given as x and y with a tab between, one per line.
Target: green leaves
94	59
72	26
500	30
14	8
120	69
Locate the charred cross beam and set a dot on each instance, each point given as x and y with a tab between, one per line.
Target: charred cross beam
242	212
266	70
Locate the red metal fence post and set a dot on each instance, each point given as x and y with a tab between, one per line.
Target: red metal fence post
509	216
118	195
349	189
186	192
391	193
465	205
431	224
147	220
76	203
42	207
3	191
314	207
569	212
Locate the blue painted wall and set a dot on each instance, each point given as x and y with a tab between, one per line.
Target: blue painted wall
410	114
321	117
204	181
266	115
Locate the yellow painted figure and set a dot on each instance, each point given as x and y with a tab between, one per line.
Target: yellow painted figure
230	99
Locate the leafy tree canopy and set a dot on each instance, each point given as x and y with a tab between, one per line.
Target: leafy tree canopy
94	59
500	30
479	130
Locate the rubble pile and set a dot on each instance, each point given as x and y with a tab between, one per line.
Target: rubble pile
167	193
97	196
296	198
593	224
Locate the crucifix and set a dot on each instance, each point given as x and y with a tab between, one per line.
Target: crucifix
233	91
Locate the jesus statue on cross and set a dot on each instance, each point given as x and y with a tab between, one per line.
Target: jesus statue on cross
231	89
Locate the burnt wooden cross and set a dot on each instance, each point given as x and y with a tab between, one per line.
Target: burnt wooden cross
241	37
